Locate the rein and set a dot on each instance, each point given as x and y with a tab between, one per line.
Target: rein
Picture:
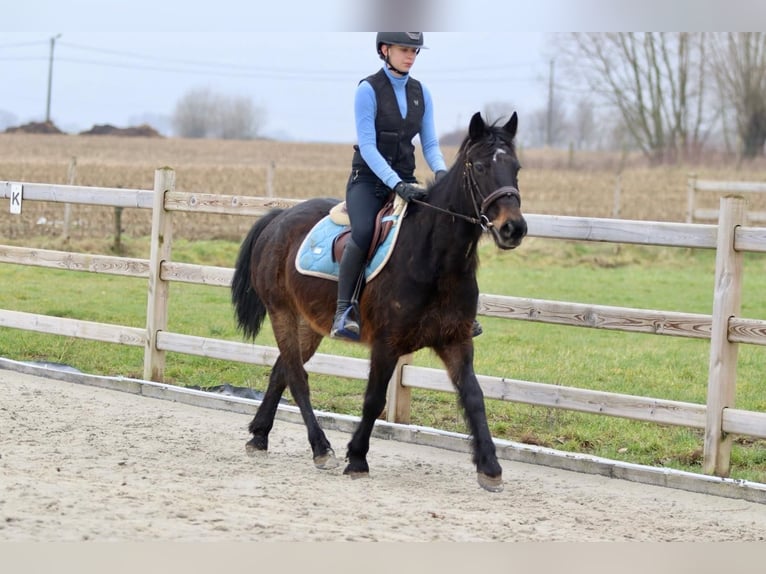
481	217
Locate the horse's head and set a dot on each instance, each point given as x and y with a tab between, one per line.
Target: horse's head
491	169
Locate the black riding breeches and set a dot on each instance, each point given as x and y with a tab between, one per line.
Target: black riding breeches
364	198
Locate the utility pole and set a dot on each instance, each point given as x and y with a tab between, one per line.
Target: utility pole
50	78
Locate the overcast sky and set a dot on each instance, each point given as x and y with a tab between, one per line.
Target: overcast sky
125	62
304	81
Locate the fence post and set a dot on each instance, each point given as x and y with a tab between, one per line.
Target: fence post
117	244
71	178
270	178
157	298
398	396
691	189
617	206
722	373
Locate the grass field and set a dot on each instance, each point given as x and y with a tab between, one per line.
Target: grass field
653	278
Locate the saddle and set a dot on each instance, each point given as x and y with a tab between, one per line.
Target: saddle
320	252
383	224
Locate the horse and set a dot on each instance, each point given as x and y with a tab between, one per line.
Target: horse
425	297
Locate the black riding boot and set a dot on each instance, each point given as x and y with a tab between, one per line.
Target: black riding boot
345	325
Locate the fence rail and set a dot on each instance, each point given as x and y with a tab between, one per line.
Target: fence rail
724	328
694	186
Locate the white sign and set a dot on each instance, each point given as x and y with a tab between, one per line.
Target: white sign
17	191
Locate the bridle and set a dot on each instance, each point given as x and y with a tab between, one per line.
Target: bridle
480	210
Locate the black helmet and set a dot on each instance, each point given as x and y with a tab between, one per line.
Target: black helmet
409	39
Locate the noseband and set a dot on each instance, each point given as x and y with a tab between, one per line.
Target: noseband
473	186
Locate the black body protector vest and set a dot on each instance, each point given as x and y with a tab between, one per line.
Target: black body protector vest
394	133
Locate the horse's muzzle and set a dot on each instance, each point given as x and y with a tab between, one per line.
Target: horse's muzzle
509	226
510	234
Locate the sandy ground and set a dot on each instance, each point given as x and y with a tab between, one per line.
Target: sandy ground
83	463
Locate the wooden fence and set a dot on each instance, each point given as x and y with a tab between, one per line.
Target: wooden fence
694	186
725	329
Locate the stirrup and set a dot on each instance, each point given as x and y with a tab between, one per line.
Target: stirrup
345	327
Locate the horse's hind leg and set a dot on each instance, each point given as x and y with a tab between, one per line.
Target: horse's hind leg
261	425
382	365
297	344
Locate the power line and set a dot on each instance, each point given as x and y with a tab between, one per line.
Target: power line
23	44
153	63
274	73
201	63
23	59
218	64
245	73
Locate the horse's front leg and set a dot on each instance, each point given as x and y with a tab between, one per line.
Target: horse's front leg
458	359
382	365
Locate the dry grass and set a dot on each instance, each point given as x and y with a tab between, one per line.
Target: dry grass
552	182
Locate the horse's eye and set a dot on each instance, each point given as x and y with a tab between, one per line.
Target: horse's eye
479	167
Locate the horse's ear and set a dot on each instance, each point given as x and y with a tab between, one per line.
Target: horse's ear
477	127
511	125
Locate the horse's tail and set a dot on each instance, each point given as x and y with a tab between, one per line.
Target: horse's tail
248	307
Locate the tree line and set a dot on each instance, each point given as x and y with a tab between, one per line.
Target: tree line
670	95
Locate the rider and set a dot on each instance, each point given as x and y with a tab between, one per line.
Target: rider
390	109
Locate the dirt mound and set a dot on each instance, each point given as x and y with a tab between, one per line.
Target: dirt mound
35	128
143	130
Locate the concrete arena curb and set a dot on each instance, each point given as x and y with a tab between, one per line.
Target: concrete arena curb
425	436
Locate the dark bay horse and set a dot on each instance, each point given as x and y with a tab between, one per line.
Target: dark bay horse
426	296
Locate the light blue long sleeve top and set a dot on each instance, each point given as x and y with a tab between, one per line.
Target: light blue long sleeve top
365	108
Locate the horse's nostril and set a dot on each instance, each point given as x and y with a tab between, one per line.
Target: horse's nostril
514	229
509	229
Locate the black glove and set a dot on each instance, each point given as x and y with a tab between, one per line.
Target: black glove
439	175
408	191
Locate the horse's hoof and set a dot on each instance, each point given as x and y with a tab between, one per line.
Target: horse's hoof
326	461
357	471
255	450
355	475
490	483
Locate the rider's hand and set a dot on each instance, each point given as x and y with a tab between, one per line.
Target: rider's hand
409	191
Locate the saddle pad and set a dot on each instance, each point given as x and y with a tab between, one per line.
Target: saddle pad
315	258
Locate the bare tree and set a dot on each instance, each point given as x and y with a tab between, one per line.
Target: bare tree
536	128
202	113
193	114
548	126
239	118
739	64
584	125
655	80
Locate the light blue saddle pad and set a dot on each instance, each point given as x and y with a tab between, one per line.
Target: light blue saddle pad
315	254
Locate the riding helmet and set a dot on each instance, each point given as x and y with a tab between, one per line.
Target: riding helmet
408	39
